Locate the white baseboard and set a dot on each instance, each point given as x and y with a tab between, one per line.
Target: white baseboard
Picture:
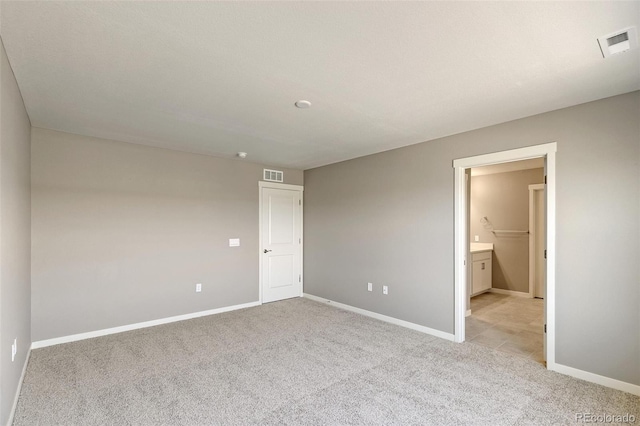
385	318
136	326
509	292
596	378
15	398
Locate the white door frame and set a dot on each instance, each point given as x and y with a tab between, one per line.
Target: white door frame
274	185
532	236
460	208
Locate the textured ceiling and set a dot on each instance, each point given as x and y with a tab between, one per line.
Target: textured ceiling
220	77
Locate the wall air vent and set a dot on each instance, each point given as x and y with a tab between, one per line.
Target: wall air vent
618	42
273	175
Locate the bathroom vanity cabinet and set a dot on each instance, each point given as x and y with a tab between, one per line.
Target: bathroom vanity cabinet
481	271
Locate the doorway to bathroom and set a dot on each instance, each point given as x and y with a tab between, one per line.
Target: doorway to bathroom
504	265
497	230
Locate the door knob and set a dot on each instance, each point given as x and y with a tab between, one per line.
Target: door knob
267	251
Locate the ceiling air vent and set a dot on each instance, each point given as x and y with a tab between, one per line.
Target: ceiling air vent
273	175
619	42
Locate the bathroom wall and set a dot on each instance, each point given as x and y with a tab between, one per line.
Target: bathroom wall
503	198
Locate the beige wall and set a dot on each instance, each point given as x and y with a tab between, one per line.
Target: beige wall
389	219
504	199
15	239
123	232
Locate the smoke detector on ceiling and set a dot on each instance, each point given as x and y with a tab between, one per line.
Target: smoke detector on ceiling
302	104
618	42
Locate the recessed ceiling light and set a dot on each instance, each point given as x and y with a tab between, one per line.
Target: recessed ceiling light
242	154
303	104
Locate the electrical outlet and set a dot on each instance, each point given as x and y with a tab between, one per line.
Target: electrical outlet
385	289
477	238
198	288
370	286
14	349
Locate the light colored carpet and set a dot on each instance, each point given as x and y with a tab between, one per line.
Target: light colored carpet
297	362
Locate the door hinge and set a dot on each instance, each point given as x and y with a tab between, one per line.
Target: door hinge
299	278
545	180
299	202
545	328
545	254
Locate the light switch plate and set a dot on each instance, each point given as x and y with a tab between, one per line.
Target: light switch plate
385	289
370	286
234	242
477	238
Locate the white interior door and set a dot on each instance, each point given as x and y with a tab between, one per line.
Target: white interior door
539	244
468	262
545	221
538	248
281	238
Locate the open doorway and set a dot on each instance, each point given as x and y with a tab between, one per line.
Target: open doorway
506	214
463	259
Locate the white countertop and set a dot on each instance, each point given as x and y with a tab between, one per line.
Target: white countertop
478	247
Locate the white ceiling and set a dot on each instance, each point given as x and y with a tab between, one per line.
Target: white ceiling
221	77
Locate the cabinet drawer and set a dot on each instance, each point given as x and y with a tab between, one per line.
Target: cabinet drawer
485	255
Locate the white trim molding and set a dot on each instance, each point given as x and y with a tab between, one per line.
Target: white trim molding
596	378
509	292
105	332
265	184
547	151
15	398
385	318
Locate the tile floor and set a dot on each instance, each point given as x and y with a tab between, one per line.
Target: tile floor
507	323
